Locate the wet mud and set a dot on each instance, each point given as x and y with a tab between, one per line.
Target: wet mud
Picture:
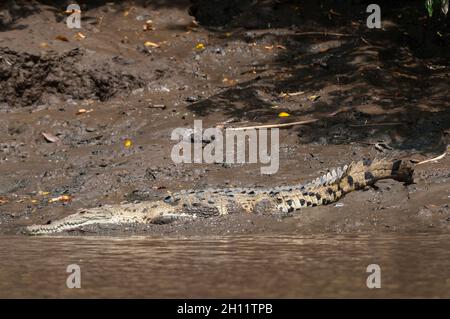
388	89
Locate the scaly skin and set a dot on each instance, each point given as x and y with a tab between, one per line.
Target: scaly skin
214	202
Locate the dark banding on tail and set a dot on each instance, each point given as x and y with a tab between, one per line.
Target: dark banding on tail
402	172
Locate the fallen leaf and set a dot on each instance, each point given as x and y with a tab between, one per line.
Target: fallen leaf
127	143
148	26
279	46
62	198
50	138
72	11
268	47
296	93
43	193
126	13
79	36
200	46
34	201
62	38
43	45
229	81
151	44
313	98
84	111
284	114
3	201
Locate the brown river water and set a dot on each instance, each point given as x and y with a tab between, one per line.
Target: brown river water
257	266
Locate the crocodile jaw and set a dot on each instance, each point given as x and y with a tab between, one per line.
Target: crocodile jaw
77	221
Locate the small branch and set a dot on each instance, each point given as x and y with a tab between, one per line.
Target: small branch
272	125
284	124
375	124
432	159
325	34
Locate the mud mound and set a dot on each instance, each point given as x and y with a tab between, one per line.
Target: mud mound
27	79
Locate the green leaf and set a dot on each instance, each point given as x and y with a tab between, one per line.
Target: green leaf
429	6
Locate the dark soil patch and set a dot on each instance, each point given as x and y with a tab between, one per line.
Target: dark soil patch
27	79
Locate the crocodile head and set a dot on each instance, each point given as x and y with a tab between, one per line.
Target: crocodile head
74	221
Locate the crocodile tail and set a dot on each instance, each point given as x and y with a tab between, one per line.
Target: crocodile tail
368	172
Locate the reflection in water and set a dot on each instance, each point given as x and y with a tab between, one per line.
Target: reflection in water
227	267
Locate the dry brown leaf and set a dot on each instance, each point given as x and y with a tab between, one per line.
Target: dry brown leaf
62	198
62	38
84	111
3	200
79	36
126	13
313	98
151	44
148	26
50	138
72	11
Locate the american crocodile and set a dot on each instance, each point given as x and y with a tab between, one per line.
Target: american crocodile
215	202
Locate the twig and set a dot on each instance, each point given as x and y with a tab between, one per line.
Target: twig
325	33
375	124
365	41
271	125
432	159
283	124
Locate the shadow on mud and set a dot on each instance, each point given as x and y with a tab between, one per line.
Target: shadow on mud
390	84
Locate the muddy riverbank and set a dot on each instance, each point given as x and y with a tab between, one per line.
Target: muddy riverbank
91	90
